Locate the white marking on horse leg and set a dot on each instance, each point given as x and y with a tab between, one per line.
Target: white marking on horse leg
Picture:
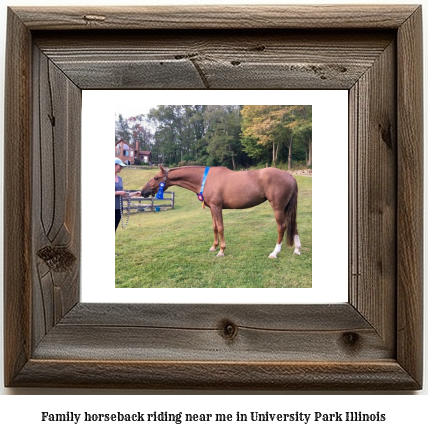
275	251
213	249
297	245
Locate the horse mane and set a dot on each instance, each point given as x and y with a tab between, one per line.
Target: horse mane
186	167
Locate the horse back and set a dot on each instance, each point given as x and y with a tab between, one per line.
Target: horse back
246	189
276	183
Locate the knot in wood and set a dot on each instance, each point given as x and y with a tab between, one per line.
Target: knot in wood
227	329
259	47
58	259
386	134
351	340
94	18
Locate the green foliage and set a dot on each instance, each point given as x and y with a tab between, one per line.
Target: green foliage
169	249
212	161
225	135
282	130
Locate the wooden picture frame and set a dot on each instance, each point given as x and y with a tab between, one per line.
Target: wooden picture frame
372	342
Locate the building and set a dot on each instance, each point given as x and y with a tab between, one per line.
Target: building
145	156
125	152
129	154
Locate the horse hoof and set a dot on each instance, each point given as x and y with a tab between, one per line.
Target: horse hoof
213	249
296	252
219	254
272	256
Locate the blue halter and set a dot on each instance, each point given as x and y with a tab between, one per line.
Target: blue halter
204	178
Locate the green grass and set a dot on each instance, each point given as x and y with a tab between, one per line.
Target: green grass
169	249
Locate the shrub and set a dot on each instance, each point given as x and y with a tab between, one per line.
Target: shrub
212	161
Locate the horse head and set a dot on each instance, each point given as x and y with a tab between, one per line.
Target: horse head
152	186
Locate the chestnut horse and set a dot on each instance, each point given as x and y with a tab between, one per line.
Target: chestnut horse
225	189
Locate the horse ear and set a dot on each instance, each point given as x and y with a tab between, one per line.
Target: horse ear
161	168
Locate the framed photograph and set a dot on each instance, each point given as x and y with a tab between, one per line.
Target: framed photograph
372	341
170	250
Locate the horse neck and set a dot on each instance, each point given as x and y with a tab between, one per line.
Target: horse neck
189	178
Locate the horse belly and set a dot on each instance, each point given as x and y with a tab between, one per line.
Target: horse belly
243	198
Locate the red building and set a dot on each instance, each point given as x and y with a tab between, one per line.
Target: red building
128	154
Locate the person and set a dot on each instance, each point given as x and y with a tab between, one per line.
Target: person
120	192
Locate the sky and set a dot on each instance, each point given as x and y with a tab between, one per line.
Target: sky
130	110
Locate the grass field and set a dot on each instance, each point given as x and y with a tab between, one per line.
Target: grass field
169	249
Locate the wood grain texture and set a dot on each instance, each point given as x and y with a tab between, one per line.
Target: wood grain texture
372	342
199	332
373	177
56	198
224	59
17	199
410	195
216	17
216	375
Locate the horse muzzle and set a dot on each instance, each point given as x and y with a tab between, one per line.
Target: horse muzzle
146	191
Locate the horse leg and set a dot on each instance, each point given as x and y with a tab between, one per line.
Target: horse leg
217	216
281	226
290	213
297	244
214	246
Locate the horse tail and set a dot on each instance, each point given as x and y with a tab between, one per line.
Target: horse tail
290	216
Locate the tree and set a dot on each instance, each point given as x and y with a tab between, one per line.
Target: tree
274	126
303	128
165	120
195	125
122	129
228	135
265	124
223	134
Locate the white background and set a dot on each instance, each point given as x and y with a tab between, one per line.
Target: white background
330	217
20	411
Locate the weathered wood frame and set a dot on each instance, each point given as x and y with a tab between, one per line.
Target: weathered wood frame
372	342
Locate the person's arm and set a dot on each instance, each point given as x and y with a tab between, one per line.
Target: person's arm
123	193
